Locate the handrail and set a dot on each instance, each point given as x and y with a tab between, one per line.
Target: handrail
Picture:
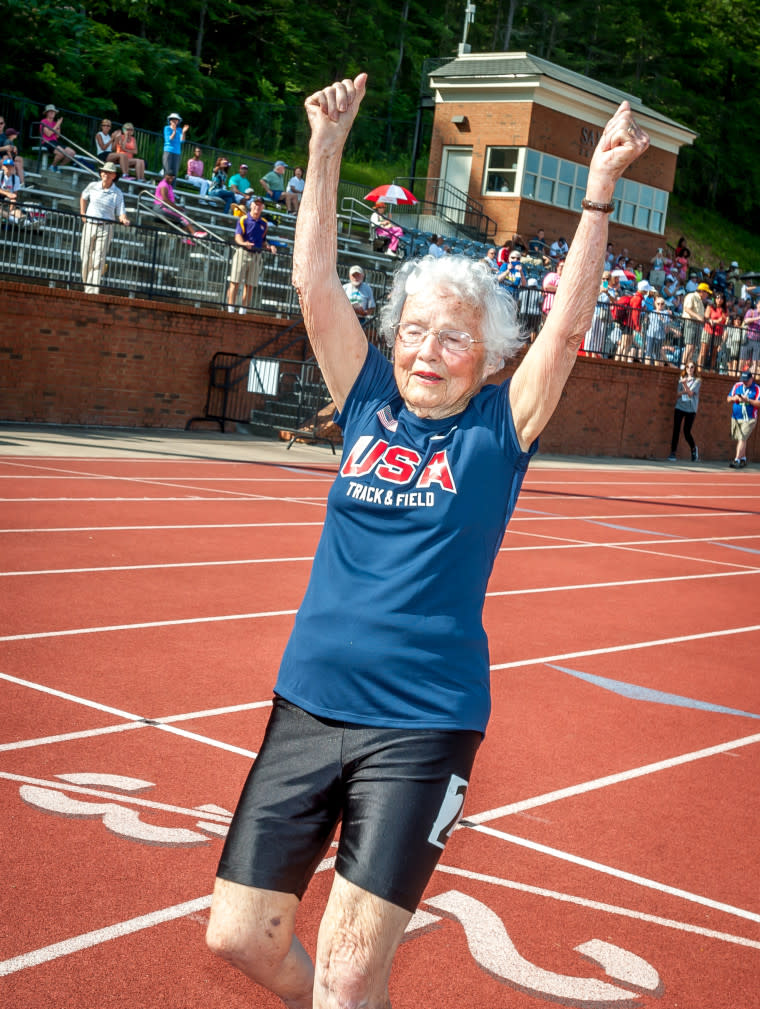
151	195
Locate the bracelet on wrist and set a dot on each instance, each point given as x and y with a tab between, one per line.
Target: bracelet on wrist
605	208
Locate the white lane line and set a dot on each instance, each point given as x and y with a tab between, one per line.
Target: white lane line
155	723
214	712
629	877
86	702
619	584
276	525
611	779
159	567
566	543
596	905
187	499
631	646
163	528
145	625
606	517
65	737
89	939
100	477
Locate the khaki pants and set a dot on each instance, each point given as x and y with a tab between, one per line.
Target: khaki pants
96	241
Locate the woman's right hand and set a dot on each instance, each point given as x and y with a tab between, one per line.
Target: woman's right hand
331	112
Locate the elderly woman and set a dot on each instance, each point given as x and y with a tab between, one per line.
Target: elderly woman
383	695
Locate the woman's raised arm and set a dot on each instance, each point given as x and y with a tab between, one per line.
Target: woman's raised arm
334	330
538	382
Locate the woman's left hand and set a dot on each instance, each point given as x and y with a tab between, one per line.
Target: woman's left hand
621	143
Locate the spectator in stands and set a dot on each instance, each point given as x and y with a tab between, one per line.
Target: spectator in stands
687	404
734	279
272	182
165	206
656	332
239	184
530	298
693	314
745	399
219	190
558	249
609	258
384	227
594	341
124	153
490	260
173	137
360	294
194	173
730	351
751	326
435	249
50	139
716	317
8	149
293	190
250	243
657	271
537	245
513	275
518	244
382	696
550	285
9	187
104	140
100	205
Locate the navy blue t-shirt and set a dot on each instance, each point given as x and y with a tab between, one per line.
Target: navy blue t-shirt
390	630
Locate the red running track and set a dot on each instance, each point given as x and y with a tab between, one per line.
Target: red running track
608	855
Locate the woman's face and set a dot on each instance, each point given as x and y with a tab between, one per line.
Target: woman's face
298	172
433	382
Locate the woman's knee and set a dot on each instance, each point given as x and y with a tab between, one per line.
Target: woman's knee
251	928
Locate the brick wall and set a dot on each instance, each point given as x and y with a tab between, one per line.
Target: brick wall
66	358
525	124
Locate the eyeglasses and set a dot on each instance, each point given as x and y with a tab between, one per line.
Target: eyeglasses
454	340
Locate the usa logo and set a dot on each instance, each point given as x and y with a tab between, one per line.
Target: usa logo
398	465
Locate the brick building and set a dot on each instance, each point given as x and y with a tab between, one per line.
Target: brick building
516	133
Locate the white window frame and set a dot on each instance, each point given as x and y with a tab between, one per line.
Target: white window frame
518	170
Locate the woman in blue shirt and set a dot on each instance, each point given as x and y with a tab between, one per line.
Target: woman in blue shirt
382	695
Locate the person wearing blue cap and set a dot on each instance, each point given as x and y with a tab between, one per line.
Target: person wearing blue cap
173	137
745	400
273	182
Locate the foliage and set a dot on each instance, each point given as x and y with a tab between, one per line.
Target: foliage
240	71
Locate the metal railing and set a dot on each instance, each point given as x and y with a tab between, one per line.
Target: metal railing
44	246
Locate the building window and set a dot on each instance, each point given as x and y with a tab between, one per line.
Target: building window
500	177
561	183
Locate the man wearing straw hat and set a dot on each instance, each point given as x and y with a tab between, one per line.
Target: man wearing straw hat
100	204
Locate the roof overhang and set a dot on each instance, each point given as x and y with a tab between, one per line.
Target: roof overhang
496	77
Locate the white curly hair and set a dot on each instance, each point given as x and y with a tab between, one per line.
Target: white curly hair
469	280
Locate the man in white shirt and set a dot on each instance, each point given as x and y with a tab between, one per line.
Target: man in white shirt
100	204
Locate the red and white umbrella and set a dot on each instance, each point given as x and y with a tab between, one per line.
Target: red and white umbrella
391	194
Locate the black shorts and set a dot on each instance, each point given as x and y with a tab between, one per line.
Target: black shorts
398	794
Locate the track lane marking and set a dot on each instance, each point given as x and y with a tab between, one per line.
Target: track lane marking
268	525
611	779
629	877
597	905
631	646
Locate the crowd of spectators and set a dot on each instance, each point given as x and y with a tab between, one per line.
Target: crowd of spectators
662	311
658	310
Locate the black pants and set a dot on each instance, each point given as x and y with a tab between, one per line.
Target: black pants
687	419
